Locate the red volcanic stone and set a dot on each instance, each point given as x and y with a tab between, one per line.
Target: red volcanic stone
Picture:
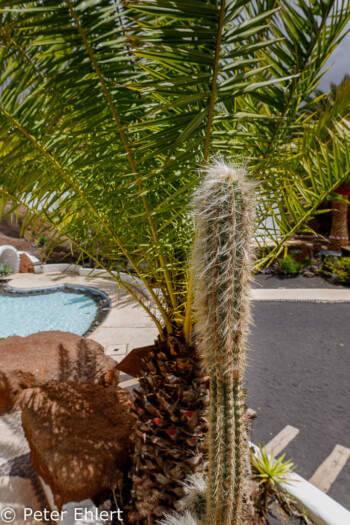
34	360
79	436
25	264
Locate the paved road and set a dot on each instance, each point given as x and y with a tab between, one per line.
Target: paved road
299	374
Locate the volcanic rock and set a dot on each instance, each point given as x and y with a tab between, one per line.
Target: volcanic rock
34	360
79	436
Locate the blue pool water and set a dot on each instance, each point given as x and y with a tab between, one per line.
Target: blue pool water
27	314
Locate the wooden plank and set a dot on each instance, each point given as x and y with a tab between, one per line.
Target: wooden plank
283	438
328	471
133	362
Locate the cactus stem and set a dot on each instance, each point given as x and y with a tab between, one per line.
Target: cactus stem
222	260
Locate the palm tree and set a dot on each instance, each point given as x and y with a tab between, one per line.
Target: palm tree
109	111
339	235
334	107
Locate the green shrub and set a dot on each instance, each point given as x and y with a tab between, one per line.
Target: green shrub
289	265
5	269
270	472
338	267
42	241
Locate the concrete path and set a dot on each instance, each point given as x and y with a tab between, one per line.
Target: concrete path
320	295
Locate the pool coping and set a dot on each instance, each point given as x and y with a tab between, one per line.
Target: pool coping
102	300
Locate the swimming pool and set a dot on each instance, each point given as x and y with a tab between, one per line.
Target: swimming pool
67	309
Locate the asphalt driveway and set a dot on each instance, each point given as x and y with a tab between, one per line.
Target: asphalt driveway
299	374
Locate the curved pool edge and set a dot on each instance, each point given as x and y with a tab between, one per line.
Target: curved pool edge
47	289
102	300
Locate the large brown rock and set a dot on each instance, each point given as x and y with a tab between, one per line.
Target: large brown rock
34	360
78	435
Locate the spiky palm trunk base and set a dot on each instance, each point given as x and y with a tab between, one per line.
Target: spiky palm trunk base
171	406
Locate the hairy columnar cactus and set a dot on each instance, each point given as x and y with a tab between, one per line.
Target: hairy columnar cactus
222	265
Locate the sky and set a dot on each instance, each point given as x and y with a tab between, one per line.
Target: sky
340	64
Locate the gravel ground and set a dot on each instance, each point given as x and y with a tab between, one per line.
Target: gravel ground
299	374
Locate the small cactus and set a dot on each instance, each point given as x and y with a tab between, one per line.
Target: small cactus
222	265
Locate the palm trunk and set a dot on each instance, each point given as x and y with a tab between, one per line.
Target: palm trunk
339	235
171	405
